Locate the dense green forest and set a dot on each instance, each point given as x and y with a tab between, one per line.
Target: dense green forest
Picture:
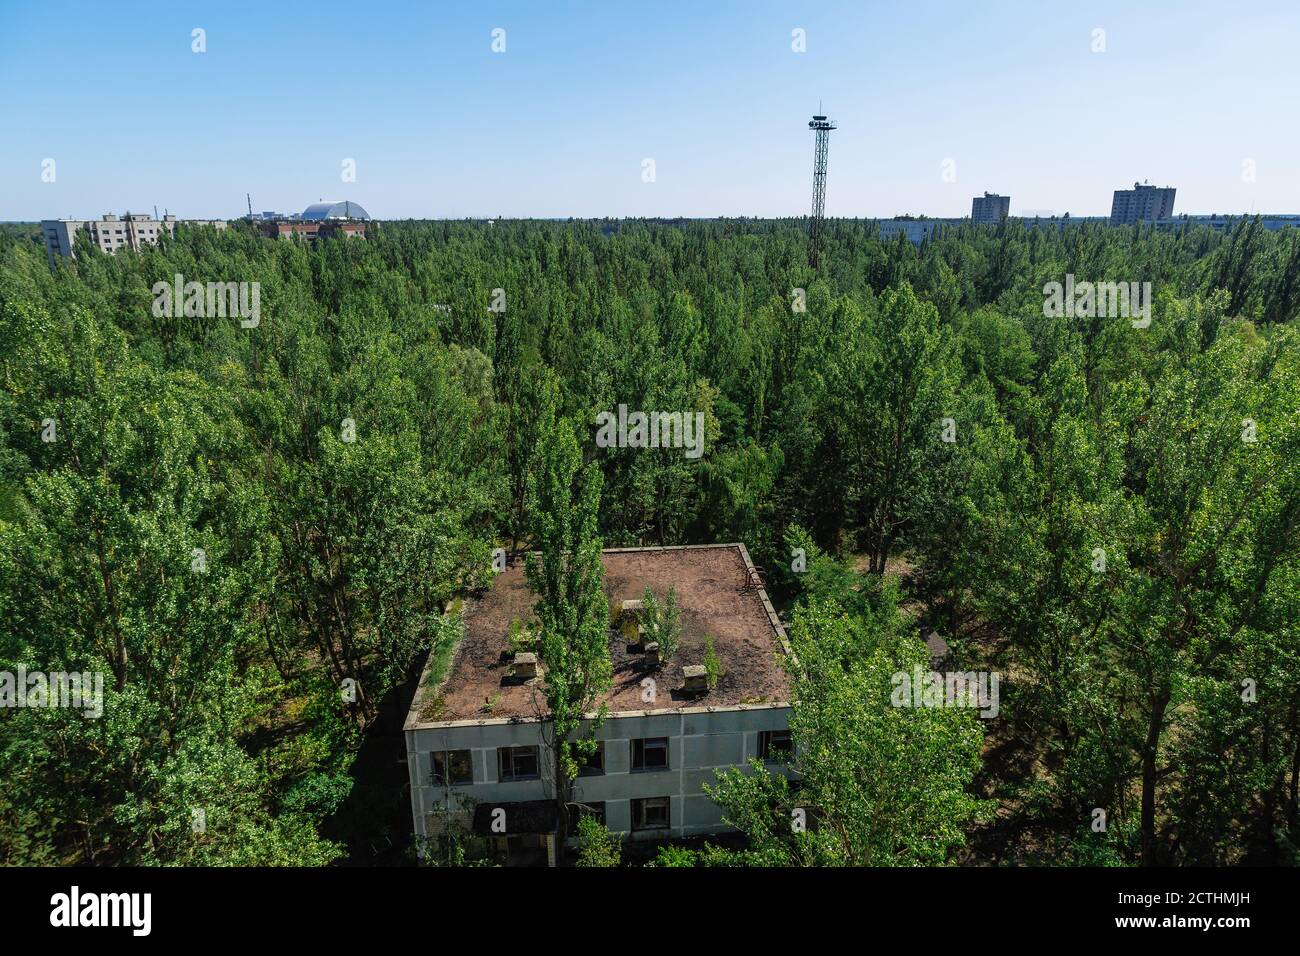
230	521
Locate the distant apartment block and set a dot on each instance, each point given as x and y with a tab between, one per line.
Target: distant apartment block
916	230
111	233
476	740
989	209
311	231
1267	221
1142	203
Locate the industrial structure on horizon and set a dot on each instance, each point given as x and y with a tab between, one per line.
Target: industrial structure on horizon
110	233
1144	203
336	217
822	127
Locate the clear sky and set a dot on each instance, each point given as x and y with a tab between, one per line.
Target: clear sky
559	124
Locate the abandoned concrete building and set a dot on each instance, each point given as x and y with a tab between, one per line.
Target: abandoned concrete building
475	742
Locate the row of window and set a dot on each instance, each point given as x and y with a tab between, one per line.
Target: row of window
648	813
456	767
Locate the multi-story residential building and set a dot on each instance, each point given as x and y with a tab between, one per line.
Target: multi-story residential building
1268	221
111	233
476	739
916	230
1142	203
989	209
311	231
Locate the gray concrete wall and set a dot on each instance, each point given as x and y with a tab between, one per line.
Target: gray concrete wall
59	236
136	232
699	742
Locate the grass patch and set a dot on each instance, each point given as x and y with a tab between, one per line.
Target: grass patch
444	648
440	657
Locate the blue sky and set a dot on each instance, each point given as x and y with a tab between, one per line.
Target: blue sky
559	124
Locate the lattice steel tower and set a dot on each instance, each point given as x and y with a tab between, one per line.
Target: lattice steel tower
822	127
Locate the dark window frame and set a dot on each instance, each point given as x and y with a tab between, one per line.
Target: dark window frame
447	758
641	746
506	758
638	808
593	766
591	808
767	753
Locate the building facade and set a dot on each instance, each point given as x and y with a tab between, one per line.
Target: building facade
646	782
916	230
1267	221
111	233
490	773
989	209
1142	203
311	231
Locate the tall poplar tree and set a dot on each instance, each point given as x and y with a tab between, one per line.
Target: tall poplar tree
573	614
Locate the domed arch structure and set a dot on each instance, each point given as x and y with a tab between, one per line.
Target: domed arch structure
335	209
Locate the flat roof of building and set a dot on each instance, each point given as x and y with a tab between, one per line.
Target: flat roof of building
715	595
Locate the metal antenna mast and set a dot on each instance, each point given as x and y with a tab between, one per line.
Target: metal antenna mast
822	127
